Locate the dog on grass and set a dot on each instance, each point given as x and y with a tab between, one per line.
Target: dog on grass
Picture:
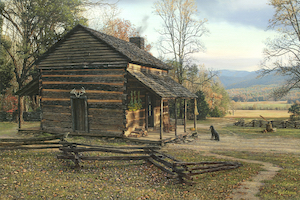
214	133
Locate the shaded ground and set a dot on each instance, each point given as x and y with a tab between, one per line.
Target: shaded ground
233	142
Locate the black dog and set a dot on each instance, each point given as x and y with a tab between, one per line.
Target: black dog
214	133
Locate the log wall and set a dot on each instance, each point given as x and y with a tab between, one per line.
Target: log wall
83	61
105	99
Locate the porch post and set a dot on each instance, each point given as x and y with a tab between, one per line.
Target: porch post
195	114
175	107
146	112
161	117
185	107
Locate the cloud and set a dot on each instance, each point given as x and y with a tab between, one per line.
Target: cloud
254	13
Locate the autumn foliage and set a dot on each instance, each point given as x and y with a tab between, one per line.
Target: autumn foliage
9	103
122	29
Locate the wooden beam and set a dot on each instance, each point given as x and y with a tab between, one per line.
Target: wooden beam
147	112
175	107
161	117
185	108
195	114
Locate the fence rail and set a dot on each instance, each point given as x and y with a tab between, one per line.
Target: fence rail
275	124
183	171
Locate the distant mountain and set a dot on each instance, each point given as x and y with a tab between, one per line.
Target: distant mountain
242	79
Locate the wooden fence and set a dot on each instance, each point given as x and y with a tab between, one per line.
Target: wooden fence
183	171
32	143
275	124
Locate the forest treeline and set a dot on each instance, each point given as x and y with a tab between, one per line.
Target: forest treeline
260	93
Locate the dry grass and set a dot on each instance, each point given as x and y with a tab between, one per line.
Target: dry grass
256	114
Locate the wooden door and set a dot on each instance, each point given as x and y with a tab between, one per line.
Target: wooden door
79	115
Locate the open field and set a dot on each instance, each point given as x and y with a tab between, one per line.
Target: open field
39	175
262	105
271	114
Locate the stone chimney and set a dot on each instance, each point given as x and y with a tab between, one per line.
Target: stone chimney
138	41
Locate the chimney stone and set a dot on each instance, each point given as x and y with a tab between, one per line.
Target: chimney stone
138	41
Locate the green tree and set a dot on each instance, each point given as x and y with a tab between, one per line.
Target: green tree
295	110
202	105
35	25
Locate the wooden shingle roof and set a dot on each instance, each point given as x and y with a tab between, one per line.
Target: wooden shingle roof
130	50
133	53
162	85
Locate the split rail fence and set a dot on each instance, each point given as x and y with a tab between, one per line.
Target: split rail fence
183	171
32	143
275	124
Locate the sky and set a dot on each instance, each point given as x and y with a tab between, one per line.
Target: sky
237	30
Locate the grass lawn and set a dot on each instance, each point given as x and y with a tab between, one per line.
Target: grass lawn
286	184
274	114
252	132
39	175
10	129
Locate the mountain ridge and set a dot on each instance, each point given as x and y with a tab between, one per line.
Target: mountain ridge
232	79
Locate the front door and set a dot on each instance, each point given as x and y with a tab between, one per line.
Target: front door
79	115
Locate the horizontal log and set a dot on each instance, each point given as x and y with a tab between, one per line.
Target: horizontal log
88	59
86	78
103	158
12	144
102	92
206	167
100	87
54	129
54	137
113	147
110	150
56	109
106	127
62	126
106	158
204	163
79	72
100	133
81	83
65	117
98	76
214	170
80	65
29	148
106	105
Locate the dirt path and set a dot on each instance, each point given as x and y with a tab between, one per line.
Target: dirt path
248	189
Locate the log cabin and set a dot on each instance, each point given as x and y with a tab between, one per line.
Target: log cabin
94	84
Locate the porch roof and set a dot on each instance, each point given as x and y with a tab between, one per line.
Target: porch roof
32	88
162	85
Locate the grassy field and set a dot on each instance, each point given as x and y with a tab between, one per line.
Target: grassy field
274	114
286	184
262	105
39	175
